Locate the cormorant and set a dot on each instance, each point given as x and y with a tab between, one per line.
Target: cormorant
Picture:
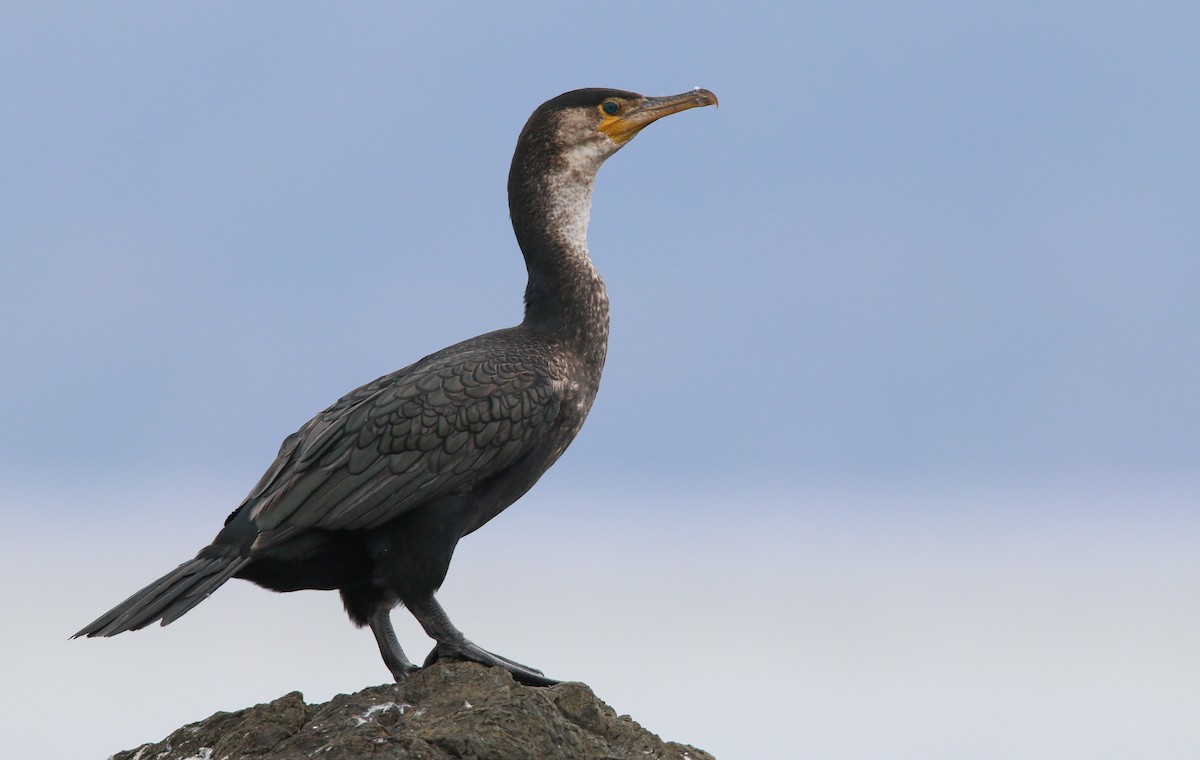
371	496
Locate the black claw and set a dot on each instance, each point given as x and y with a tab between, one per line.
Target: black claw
401	675
507	662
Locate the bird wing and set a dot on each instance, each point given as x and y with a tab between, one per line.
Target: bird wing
438	427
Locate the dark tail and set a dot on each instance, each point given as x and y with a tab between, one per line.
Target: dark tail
167	598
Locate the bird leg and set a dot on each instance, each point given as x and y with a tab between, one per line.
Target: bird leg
451	644
389	646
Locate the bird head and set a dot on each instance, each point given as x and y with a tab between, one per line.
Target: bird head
591	124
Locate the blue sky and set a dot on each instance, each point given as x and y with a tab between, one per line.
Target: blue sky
928	271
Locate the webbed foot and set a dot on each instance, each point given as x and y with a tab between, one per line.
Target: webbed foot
451	644
468	650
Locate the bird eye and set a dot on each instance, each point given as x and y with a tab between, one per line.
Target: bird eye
610	107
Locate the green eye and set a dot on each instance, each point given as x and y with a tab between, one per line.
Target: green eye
610	107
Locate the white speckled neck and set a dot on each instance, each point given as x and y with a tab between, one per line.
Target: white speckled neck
550	197
568	208
567	191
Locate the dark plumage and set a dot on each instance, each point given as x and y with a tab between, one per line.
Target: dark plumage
371	496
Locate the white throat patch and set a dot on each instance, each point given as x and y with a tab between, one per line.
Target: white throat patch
570	184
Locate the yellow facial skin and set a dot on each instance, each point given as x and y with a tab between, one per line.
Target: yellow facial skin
622	118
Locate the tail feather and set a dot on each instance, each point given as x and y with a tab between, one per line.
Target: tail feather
200	591
167	598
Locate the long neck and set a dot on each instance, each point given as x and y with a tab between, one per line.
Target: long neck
550	200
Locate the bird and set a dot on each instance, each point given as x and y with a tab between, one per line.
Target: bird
371	496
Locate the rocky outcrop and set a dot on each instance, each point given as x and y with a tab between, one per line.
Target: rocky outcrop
449	710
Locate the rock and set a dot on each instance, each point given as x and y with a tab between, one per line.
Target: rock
448	710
